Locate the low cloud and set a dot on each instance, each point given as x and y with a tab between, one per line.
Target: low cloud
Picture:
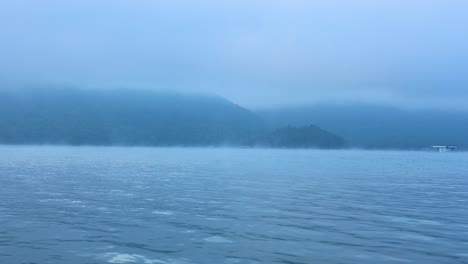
257	53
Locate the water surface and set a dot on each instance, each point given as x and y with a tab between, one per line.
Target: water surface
186	206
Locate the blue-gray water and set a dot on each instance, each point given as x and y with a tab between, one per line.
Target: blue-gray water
183	206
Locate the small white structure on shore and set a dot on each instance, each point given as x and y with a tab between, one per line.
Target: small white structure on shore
447	148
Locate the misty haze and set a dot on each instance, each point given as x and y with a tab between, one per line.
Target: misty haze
198	132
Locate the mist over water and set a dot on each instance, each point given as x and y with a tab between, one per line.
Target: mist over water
199	132
190	205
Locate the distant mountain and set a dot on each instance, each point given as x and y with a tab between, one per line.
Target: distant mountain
123	117
372	126
302	137
130	117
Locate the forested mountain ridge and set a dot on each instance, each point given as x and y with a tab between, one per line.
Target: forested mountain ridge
141	118
122	117
308	136
377	126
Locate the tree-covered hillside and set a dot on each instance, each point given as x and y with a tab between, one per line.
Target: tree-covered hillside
130	117
378	127
302	137
122	117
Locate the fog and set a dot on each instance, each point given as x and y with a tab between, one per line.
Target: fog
259	54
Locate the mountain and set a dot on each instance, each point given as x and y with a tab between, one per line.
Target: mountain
302	137
122	117
140	118
378	127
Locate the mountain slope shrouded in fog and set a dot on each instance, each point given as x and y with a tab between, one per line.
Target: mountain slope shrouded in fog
379	127
308	136
141	118
122	117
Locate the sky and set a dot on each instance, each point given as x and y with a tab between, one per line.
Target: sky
257	53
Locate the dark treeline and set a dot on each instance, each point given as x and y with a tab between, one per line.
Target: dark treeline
378	127
302	137
129	117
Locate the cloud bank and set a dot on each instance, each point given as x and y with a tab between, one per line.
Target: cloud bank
258	53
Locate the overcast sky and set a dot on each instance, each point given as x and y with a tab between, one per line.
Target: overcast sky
256	53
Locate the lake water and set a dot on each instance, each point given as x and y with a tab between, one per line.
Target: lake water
78	205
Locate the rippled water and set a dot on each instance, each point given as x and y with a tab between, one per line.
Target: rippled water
183	206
